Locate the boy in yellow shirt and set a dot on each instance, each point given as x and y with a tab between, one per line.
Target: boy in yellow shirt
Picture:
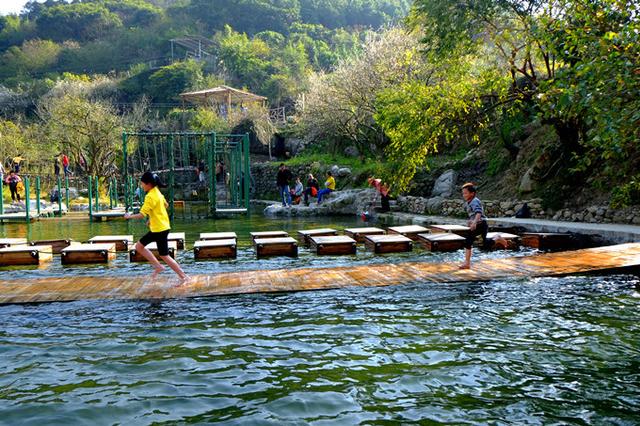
155	209
329	187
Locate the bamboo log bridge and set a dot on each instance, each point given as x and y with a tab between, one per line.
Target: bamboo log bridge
623	258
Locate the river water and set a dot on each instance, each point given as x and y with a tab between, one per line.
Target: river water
543	351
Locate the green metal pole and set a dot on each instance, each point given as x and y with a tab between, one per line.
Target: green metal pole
212	174
97	192
38	194
27	201
59	197
90	198
171	178
115	189
247	170
66	188
214	188
1	197
125	170
110	194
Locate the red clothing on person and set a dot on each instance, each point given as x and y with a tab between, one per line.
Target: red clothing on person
65	160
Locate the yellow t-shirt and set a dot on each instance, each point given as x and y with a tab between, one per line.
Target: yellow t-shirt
155	210
330	183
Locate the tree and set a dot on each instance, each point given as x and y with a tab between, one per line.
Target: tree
340	107
168	82
77	21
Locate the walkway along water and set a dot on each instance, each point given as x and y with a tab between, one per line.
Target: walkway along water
624	258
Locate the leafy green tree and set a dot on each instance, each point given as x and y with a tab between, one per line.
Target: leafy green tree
34	56
77	21
168	82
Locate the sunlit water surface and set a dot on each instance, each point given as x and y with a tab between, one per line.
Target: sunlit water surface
544	351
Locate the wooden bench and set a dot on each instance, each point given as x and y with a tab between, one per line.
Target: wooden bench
122	242
56	245
283	246
25	255
88	253
463	231
381	244
409	231
513	241
178	238
305	235
333	245
135	256
208	236
9	242
442	242
215	249
359	234
547	240
267	235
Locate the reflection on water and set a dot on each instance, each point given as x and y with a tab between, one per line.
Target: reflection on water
543	351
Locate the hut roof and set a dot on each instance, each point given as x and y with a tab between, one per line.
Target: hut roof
221	94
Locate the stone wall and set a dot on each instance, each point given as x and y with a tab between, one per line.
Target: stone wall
455	208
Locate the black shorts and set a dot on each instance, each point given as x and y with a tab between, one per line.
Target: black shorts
481	229
161	240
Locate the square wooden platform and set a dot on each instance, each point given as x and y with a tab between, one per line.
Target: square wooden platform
88	253
359	234
179	238
208	236
513	241
215	249
409	231
305	235
381	244
333	245
463	231
8	242
441	242
25	255
56	245
122	242
547	240
135	256
267	235
269	247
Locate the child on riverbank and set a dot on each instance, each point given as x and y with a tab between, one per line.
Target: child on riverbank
155	209
477	223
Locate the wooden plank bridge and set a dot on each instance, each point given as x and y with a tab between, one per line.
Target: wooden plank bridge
623	258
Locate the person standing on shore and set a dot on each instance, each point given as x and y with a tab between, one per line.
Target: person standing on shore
282	179
155	209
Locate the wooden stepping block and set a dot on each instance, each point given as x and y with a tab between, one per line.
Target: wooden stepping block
284	246
305	235
513	241
178	238
380	244
463	231
215	249
25	255
88	253
56	245
441	242
207	236
267	235
135	256
122	242
547	240
359	234
9	242
409	231
333	245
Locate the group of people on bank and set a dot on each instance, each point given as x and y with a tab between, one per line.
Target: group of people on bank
293	196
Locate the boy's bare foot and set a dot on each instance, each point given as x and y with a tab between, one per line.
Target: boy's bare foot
465	266
184	280
156	272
